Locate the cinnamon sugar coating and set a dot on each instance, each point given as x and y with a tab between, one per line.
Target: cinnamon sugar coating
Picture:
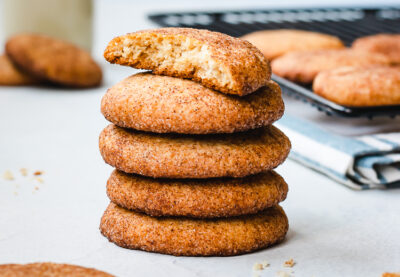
163	104
206	198
181	236
194	156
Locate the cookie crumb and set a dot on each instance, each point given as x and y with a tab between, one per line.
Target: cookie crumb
40	180
282	274
38	173
265	264
24	172
8	175
289	263
258	266
36	188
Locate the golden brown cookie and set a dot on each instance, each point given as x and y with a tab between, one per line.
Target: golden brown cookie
303	66
275	43
164	104
201	156
12	76
386	44
197	198
360	86
182	236
53	60
218	61
49	270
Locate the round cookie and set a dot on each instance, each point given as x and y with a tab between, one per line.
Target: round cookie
386	44
275	43
360	86
217	61
207	198
12	76
53	60
163	104
201	156
303	66
182	236
49	269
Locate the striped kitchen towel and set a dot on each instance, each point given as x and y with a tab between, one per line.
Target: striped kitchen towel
359	162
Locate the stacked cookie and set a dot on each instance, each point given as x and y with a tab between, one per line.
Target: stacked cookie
193	146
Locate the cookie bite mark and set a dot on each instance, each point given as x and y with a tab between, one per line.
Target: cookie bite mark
218	61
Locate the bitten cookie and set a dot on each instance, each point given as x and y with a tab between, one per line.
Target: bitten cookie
49	269
275	43
218	61
163	104
303	66
12	76
197	198
386	44
360	86
194	237
53	60
201	156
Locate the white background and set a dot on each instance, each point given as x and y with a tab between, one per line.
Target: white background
334	231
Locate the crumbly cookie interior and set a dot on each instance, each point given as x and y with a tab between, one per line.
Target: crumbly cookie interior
177	53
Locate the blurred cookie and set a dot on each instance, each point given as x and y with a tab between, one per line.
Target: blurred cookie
163	104
355	86
182	236
53	60
49	269
387	274
303	66
12	76
216	60
387	44
197	198
275	43
201	156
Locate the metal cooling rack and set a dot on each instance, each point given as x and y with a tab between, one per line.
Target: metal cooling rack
346	23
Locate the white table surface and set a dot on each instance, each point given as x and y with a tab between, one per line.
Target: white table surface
334	231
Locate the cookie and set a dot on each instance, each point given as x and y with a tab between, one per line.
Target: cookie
53	60
49	269
163	104
386	44
303	66
218	61
201	156
206	198
12	76
355	86
182	236
387	274
275	43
